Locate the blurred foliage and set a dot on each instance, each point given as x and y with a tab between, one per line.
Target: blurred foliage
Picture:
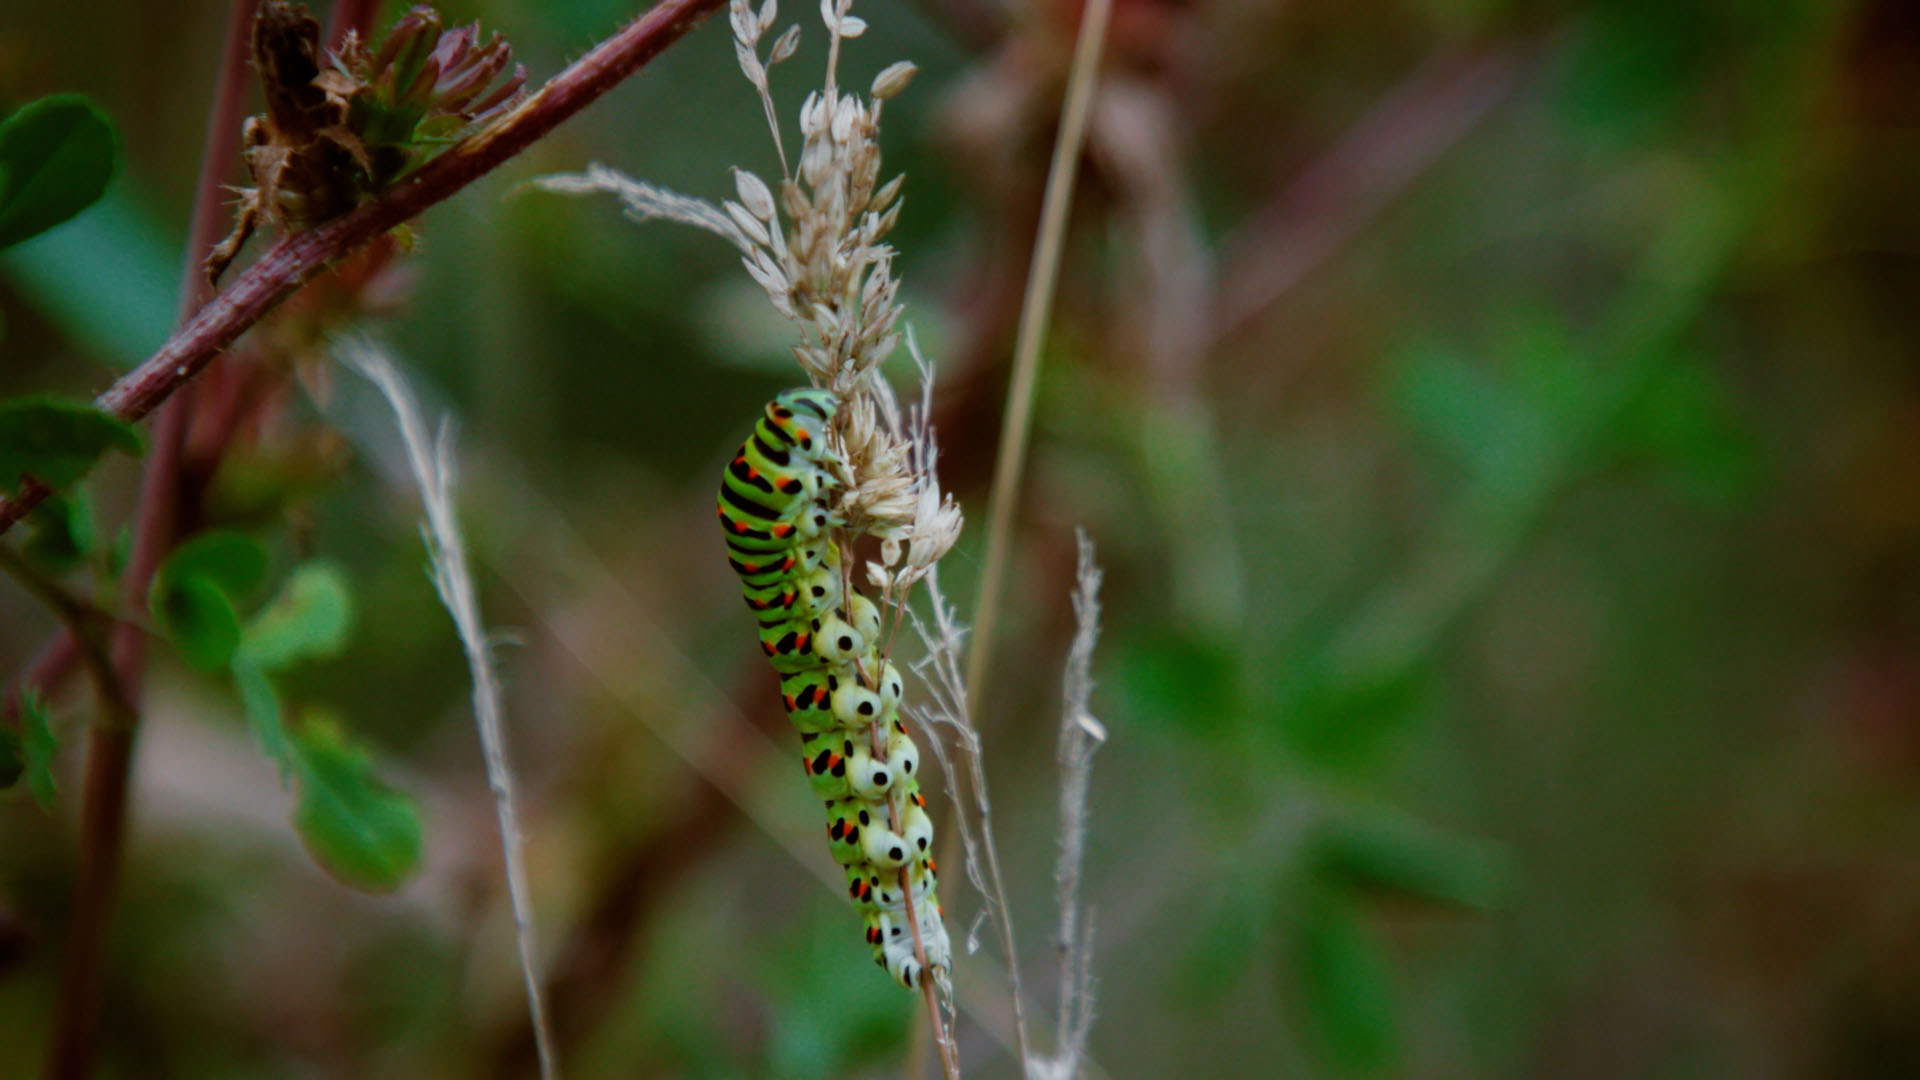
56	156
365	833
37	747
1512	620
57	442
195	595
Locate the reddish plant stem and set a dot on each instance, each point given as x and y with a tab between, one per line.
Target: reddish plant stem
354	15
1321	210
57	659
103	810
290	262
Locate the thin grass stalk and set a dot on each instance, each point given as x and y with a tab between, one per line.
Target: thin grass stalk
1035	314
432	465
1080	736
941	675
1042	280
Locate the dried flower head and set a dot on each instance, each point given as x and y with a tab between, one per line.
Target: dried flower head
335	134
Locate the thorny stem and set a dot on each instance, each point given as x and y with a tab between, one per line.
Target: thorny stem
294	259
1041	279
1042	276
103	813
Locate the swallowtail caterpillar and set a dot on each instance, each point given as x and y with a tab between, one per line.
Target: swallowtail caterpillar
822	638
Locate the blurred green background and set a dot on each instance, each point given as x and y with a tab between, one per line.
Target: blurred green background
1500	423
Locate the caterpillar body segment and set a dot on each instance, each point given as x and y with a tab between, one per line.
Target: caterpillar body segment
823	639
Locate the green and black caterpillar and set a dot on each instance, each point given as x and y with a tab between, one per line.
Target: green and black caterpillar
843	695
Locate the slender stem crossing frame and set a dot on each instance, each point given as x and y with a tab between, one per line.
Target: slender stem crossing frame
296	258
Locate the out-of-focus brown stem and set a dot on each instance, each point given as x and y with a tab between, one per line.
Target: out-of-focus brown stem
103	810
1317	213
294	259
604	947
49	668
351	15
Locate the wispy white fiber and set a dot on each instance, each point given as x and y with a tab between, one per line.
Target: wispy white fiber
432	465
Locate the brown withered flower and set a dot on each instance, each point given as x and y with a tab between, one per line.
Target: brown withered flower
338	132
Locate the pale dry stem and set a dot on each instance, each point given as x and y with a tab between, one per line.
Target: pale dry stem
1042	276
1081	735
940	673
432	465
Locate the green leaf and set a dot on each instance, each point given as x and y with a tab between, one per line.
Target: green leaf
1683	424
57	441
1393	853
193	593
235	562
1229	927
199	619
309	620
63	533
38	746
1346	990
361	831
1345	714
56	156
1185	680
1453	404
264	718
